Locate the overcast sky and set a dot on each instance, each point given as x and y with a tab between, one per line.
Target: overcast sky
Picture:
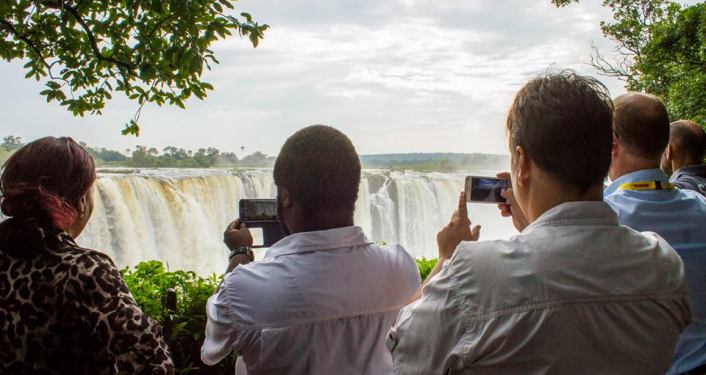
395	75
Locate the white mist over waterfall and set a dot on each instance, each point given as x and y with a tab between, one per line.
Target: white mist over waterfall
178	216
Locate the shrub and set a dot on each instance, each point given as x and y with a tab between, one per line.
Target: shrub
425	266
149	282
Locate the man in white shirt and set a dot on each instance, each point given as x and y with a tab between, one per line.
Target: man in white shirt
574	292
323	298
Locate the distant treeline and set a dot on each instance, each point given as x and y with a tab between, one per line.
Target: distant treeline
169	157
175	157
438	162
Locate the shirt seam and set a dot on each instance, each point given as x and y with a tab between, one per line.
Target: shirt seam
299	322
231	316
600	222
309	249
545	305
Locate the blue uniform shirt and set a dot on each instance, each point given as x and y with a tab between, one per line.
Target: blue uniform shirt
679	216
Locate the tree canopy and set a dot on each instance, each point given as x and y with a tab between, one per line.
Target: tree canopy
659	49
151	51
673	63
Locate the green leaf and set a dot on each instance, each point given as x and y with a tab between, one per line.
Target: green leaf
131	128
146	49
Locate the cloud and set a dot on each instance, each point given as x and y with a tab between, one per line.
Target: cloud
396	75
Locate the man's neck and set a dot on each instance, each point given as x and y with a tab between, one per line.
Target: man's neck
678	164
629	165
544	198
312	223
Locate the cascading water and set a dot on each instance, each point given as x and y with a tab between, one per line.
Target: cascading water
178	216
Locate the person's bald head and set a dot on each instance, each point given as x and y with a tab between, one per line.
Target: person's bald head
641	124
688	140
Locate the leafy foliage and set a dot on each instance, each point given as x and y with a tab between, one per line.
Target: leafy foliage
152	51
11	143
425	266
660	48
148	282
673	63
631	31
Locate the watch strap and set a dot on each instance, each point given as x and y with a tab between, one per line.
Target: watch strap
244	250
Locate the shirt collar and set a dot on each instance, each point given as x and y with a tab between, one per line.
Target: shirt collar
697	170
655	174
572	213
329	239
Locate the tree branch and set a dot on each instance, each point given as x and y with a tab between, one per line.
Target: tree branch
606	68
94	43
31	44
159	25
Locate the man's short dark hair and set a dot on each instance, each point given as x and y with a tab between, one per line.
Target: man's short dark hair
689	138
320	169
641	123
563	122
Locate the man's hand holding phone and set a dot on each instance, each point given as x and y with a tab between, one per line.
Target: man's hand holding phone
511	209
457	230
237	235
239	240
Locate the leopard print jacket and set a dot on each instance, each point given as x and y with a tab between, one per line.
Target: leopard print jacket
66	310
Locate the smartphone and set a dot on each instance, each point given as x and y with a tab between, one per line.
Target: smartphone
485	189
261	214
255	210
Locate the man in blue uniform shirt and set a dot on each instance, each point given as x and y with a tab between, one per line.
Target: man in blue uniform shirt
645	200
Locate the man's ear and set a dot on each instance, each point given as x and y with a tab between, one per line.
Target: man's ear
616	150
286	199
523	167
669	152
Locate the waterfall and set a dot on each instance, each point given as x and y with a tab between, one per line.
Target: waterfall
178	215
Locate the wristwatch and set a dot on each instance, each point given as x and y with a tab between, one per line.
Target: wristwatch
245	250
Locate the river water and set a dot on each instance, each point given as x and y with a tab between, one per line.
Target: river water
178	215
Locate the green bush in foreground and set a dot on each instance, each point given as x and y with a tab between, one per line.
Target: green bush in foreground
149	281
425	266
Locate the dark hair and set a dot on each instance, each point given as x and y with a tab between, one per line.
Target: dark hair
689	138
563	122
320	169
641	123
43	181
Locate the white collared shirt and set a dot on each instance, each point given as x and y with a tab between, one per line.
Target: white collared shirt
318	303
574	293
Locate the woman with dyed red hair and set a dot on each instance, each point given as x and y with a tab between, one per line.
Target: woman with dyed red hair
64	309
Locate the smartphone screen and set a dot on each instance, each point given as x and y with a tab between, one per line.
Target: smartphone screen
258	210
260	215
485	189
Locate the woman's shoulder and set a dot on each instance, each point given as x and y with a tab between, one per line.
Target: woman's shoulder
81	261
90	271
46	247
